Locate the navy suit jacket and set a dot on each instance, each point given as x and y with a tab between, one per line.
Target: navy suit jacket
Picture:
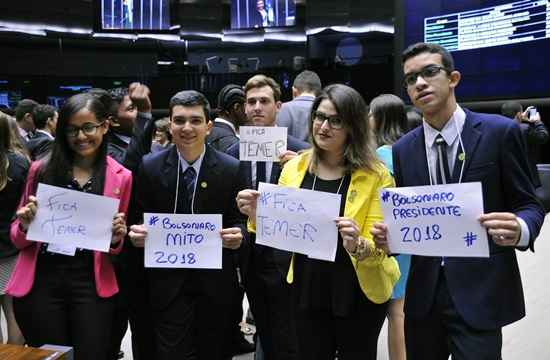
487	292
280	257
217	186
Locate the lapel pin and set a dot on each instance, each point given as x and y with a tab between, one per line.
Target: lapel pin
461	156
352	195
204	184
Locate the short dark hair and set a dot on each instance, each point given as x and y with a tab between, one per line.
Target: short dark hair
41	114
258	81
511	108
229	95
190	98
25	106
420	48
105	97
307	81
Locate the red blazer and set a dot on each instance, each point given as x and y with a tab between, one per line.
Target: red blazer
118	185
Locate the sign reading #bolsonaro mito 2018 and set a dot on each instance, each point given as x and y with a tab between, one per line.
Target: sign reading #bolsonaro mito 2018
183	241
438	220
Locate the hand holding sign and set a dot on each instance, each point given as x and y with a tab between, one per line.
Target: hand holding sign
246	202
504	228
137	235
119	228
27	213
231	237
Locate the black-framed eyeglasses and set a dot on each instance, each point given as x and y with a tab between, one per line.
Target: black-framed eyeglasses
333	121
88	129
427	72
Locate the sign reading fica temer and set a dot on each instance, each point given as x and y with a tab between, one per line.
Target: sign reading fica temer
439	220
262	143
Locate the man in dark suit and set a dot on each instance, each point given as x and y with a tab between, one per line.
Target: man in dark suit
191	307
533	130
45	120
265	270
453	305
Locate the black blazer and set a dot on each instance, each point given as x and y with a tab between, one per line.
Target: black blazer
9	198
280	257
221	137
154	191
39	145
487	292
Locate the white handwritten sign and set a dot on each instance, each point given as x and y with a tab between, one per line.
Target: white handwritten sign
183	241
262	143
438	220
298	220
73	218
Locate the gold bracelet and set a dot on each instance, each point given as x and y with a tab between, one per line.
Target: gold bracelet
360	249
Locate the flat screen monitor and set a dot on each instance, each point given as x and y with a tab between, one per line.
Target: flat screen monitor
250	14
4	99
134	15
501	47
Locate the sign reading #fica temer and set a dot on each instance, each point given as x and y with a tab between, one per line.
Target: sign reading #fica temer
439	220
262	143
183	241
298	220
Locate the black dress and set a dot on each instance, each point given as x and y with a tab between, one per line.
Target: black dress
333	315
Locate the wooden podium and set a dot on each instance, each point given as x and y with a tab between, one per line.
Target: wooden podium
16	352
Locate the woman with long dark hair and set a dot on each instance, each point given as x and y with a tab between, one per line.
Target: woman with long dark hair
388	119
62	299
14	166
340	305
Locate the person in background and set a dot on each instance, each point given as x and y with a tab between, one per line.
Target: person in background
388	120
71	296
533	130
230	116
341	305
17	141
45	120
162	138
414	117
264	269
294	115
24	117
14	166
124	114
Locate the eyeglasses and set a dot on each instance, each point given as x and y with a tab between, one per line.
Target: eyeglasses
427	72
333	121
88	129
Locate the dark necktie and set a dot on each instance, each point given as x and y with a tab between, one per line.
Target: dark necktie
260	172
189	181
442	169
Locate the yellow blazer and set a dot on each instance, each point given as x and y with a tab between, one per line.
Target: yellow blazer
378	273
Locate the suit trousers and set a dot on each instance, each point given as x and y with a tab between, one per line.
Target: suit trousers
445	333
272	305
322	335
63	307
193	326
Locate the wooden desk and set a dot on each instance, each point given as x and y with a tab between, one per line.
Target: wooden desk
16	352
